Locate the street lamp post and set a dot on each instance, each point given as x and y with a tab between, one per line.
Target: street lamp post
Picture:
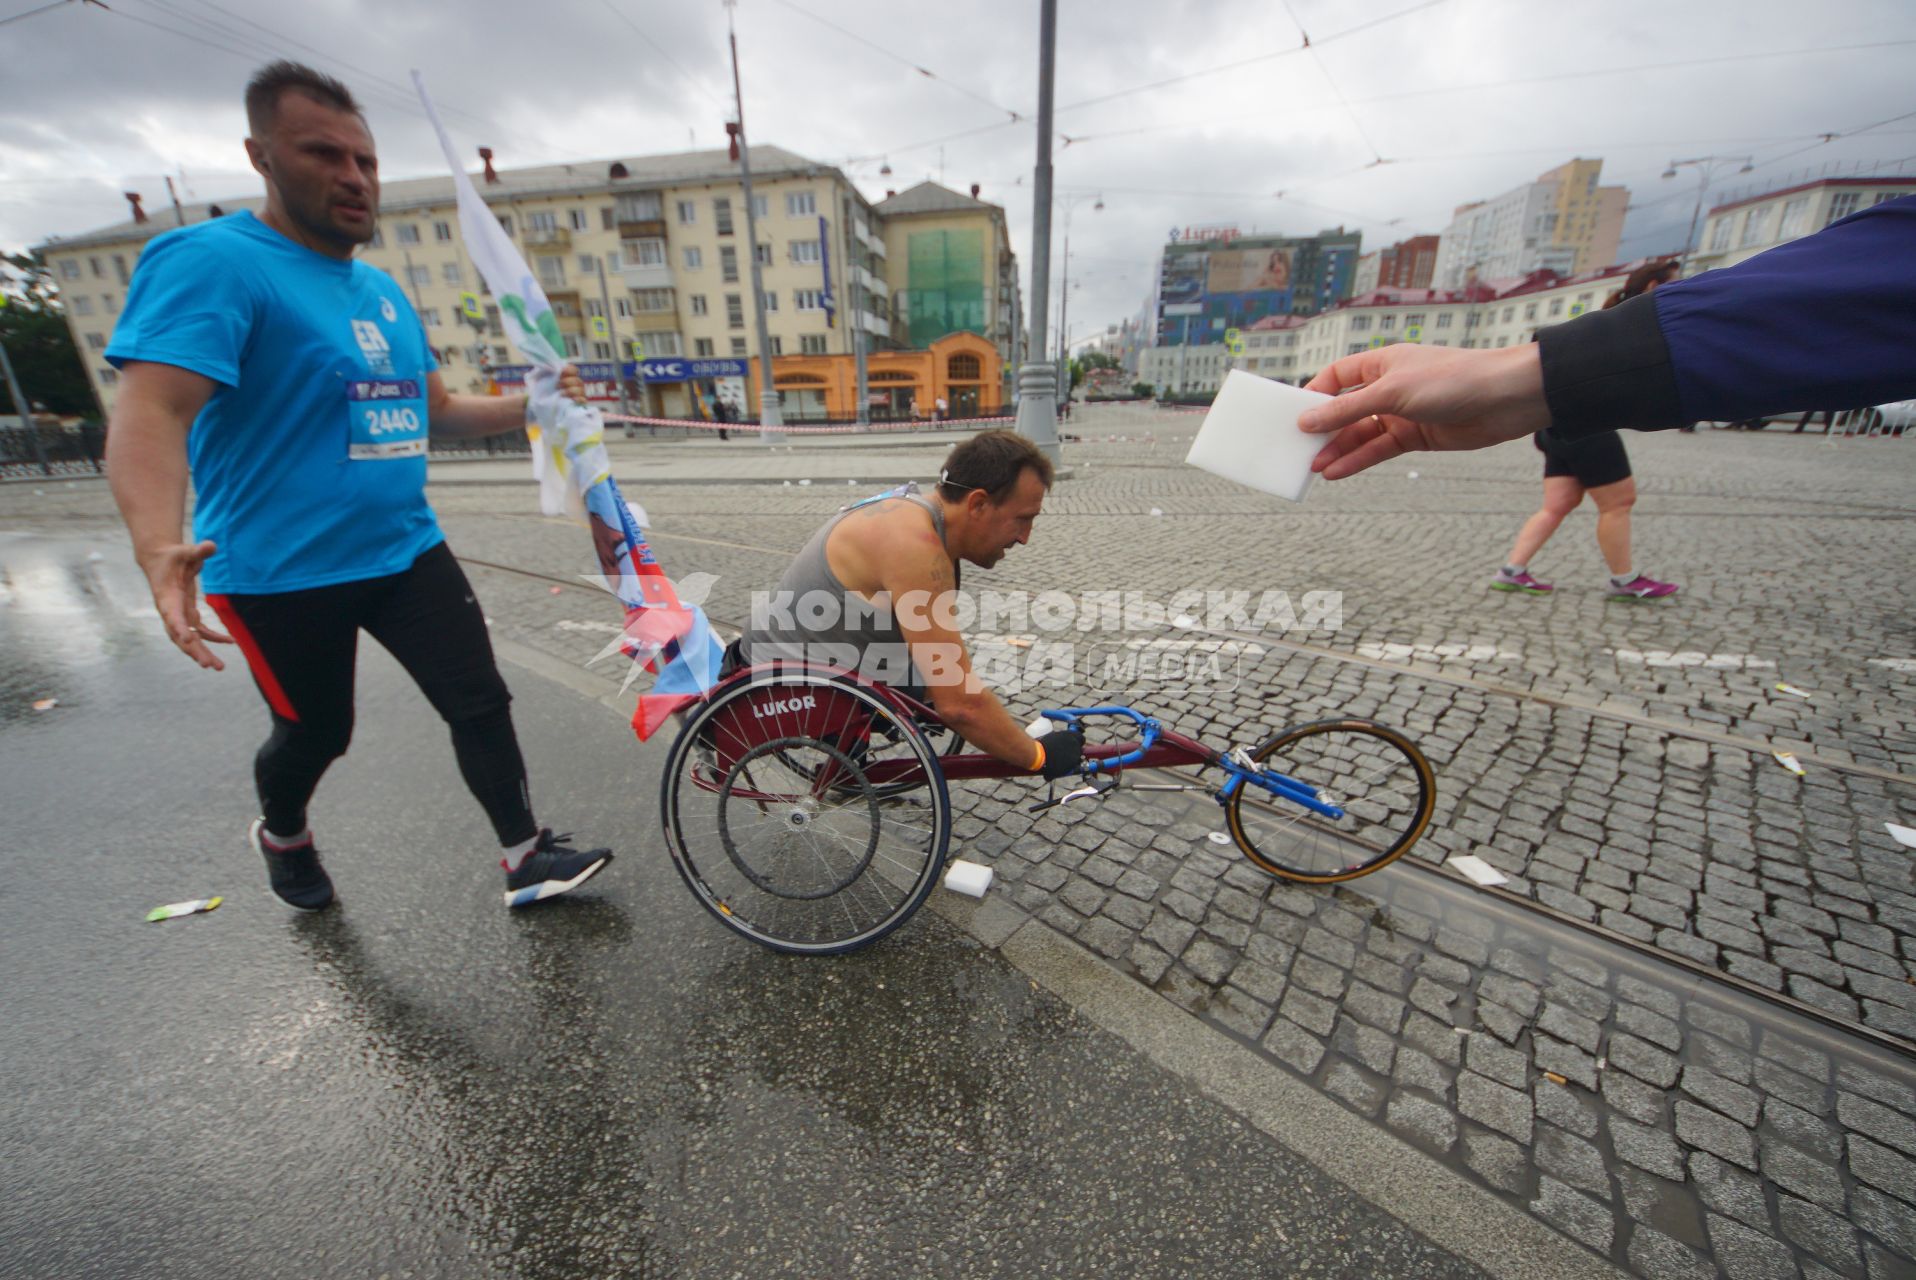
1037	377
769	418
1064	287
1706	168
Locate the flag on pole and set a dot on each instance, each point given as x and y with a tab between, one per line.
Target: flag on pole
664	635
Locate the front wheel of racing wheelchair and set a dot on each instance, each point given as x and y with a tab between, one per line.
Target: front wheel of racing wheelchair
806	809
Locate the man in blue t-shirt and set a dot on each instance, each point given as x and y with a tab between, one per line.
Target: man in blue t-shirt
296	387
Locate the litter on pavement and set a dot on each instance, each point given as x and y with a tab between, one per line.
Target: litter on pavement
173	910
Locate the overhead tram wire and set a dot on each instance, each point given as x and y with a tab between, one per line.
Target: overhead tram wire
1250	61
919	67
1377	157
28	13
384	90
1068	140
1080	139
670	61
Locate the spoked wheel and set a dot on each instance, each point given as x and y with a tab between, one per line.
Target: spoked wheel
805	813
1374	774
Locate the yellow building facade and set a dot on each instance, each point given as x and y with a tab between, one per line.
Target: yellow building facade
645	261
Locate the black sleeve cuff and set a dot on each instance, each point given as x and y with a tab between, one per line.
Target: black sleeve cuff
1608	370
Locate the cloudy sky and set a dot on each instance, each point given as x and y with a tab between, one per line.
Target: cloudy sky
1179	111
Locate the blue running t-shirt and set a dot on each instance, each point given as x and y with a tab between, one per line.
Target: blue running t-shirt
309	459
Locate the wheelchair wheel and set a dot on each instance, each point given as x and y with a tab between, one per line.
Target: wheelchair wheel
1374	774
805	813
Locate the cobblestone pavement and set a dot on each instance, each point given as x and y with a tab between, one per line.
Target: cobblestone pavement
1612	758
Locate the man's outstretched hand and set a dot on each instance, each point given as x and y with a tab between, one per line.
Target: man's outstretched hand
1403	397
173	572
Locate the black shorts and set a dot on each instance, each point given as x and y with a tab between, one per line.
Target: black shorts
1593	461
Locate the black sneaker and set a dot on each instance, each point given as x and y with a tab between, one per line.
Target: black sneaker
294	873
552	868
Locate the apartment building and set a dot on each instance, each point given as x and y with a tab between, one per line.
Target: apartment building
1563	222
1743	228
643	260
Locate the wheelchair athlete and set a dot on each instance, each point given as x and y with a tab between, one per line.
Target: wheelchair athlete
868	590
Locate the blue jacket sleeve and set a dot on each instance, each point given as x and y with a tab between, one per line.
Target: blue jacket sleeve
1825	322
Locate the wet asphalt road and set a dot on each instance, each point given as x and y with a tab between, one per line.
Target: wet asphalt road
417	1083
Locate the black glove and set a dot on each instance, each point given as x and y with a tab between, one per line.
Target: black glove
1063	752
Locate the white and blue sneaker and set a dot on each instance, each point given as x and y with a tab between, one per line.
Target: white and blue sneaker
552	868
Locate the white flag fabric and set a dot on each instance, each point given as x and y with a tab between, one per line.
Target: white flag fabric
568	449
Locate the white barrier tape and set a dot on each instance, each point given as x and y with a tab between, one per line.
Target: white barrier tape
847	429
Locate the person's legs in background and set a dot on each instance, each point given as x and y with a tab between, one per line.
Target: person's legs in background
1561	494
1614	502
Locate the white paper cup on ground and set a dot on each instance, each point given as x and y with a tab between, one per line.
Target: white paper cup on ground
1251	435
968	878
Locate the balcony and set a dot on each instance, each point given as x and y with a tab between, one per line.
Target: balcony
641	230
638	277
548	238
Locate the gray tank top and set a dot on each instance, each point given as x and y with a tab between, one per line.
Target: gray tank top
811	616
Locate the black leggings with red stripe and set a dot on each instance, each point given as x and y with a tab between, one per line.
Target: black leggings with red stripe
302	647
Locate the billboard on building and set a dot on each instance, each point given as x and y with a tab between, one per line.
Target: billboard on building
1248	271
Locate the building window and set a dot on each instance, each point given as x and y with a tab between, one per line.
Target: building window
1842	205
770	299
119	267
694	258
622	308
1360	324
804	251
660	344
418	276
594	308
107	302
1415	318
94	263
1556	306
109	376
454	277
640	206
82	305
703	347
728	264
722	214
807	300
95	342
552	272
688	212
379	238
764	255
408	233
1385	323
442	232
1443	319
1753	220
652	299
608	218
800	204
964	367
545	222
812	344
698	304
505	224
778	345
734	311
588	265
576	219
430	317
738	347
1355	347
1510	314
1530	311
601	351
1795	218
761	206
649	252
573	346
